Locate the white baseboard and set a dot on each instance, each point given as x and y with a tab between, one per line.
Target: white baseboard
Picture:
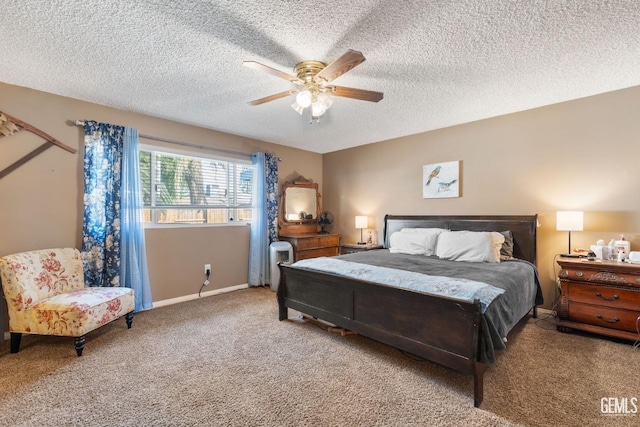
191	297
162	303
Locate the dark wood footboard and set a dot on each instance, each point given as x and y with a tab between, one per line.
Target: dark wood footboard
439	329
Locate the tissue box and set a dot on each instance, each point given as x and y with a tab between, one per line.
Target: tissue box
602	252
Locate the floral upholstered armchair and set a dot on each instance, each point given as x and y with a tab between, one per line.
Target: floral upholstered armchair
46	295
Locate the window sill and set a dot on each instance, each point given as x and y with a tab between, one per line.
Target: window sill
149	225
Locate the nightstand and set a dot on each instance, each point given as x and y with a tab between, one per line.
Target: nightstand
349	248
601	297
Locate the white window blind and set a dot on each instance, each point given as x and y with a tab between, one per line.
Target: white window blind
187	189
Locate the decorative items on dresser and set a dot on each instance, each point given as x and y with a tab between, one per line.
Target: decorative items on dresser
299	218
600	297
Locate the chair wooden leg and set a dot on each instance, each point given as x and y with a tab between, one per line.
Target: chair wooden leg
129	318
79	345
15	341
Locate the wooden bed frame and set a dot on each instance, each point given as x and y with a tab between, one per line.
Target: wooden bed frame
440	329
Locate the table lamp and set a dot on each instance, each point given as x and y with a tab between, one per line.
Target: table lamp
569	221
362	222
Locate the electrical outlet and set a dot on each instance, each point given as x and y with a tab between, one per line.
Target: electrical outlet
207	268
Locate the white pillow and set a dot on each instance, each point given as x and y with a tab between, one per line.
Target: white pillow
472	246
407	243
430	236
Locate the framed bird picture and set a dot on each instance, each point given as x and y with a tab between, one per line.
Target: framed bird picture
441	180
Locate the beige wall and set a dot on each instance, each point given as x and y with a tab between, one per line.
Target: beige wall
576	155
42	200
579	155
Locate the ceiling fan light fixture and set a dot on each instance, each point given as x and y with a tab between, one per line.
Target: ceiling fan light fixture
303	98
297	107
326	99
317	109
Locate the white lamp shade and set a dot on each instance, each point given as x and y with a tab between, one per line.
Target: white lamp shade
325	99
569	220
304	98
297	107
317	109
362	221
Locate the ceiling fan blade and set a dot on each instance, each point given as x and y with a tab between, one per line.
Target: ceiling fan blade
258	66
361	94
340	66
273	97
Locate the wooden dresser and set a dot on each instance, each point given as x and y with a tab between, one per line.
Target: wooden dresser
312	245
601	297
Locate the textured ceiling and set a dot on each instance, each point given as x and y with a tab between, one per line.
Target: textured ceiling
439	63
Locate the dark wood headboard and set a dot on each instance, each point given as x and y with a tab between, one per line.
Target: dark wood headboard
523	228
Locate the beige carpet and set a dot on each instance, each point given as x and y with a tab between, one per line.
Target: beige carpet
227	361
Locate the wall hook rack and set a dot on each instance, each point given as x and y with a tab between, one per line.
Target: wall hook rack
10	125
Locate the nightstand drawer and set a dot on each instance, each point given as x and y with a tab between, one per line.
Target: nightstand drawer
604	296
607	317
598	276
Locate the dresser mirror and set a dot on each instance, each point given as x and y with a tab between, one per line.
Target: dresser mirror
300	203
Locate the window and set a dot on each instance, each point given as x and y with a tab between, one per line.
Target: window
184	189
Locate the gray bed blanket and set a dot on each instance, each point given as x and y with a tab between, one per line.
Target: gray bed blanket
518	278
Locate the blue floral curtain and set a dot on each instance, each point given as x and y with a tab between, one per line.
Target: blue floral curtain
113	243
271	177
264	218
101	223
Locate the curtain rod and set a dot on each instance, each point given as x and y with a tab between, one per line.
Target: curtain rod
186	144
